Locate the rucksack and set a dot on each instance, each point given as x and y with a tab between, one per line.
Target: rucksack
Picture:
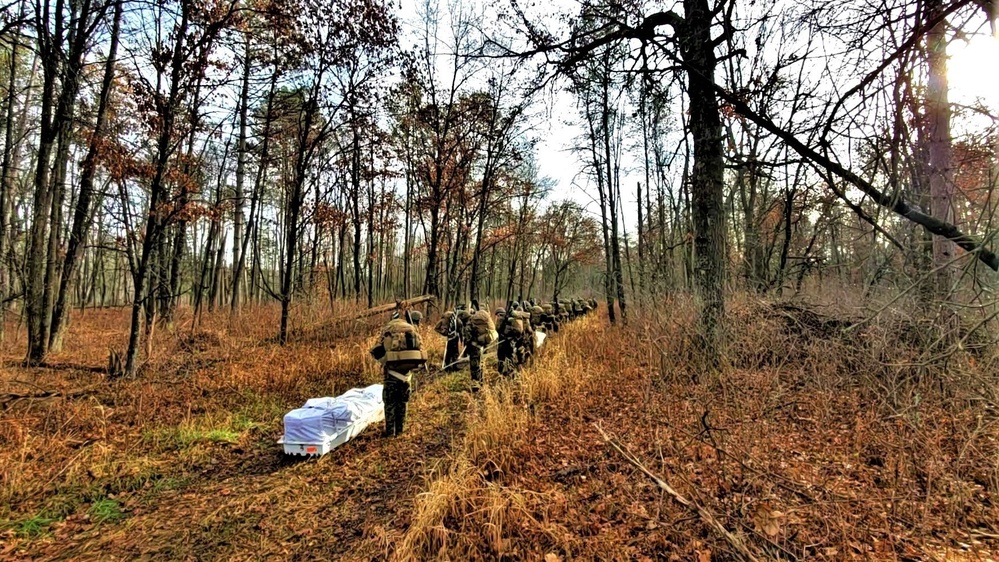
513	327
537	314
401	347
523	320
480	328
443	324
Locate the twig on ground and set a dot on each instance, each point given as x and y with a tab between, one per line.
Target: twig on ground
11	397
702	511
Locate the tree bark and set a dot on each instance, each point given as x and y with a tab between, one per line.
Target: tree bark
706	181
939	168
238	245
6	173
83	213
156	218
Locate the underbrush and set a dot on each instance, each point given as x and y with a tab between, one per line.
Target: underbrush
208	401
478	507
828	434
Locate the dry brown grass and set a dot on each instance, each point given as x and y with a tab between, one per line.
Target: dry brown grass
813	442
217	386
477	509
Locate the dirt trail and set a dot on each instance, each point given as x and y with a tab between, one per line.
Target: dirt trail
258	504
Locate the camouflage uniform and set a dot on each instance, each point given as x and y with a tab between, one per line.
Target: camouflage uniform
562	312
450	327
474	355
538	317
551	325
505	349
521	344
526	345
395	395
395	388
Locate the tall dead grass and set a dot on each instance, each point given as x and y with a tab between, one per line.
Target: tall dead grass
826	428
475	509
214	383
873	403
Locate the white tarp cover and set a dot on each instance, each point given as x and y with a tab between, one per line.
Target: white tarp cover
321	418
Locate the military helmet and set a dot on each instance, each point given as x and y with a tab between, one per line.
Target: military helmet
547	308
500	312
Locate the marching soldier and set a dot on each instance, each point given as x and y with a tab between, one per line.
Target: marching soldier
400	352
450	327
478	334
526	342
550	320
505	351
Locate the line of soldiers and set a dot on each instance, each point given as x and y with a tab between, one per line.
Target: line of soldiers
400	349
513	332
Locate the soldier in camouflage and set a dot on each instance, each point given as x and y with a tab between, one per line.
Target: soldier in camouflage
450	327
505	351
473	349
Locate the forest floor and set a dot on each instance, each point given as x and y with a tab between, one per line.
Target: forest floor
811	444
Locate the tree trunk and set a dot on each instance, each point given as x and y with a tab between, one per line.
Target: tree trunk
83	214
369	259
6	174
152	240
706	181
238	245
939	169
355	184
295	201
37	257
255	203
407	240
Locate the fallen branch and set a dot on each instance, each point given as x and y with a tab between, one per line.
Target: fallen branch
382	309
328	330
701	511
11	397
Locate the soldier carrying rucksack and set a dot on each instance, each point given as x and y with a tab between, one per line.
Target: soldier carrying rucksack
525	343
400	351
549	319
449	326
505	349
478	333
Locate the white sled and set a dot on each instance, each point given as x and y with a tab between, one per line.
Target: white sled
324	424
